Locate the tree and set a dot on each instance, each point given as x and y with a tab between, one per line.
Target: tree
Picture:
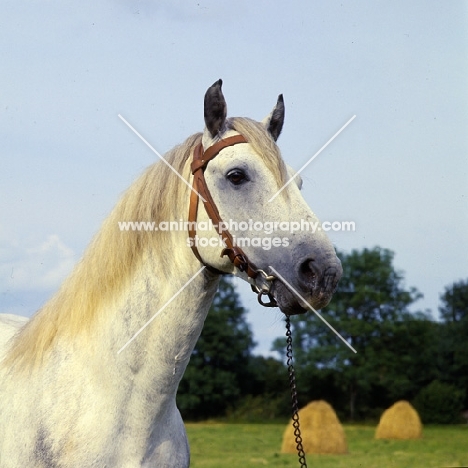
371	311
217	374
440	403
453	353
267	393
454	308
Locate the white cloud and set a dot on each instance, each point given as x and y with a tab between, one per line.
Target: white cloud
35	267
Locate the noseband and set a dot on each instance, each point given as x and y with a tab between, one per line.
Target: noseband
235	254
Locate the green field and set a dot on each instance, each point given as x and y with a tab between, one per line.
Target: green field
253	445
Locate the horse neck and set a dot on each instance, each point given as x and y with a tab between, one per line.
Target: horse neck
170	310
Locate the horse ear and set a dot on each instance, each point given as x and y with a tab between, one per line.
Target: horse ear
215	109
274	122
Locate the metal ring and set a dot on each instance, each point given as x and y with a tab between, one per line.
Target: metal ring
272	302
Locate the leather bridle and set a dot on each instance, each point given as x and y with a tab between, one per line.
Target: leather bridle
236	255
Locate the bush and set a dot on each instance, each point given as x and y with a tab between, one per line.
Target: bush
259	409
440	403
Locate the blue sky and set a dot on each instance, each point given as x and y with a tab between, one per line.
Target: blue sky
400	170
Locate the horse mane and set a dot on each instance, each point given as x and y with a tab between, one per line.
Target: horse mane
113	255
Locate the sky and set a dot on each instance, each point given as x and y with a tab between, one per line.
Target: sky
399	170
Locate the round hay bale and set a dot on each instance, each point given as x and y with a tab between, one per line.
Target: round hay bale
320	428
400	421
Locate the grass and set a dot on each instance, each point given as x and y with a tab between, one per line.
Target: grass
216	445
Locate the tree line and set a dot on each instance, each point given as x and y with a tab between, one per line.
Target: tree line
401	354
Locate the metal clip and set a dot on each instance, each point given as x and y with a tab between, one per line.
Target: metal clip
272	302
264	289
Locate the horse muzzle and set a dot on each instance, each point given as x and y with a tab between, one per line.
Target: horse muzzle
315	285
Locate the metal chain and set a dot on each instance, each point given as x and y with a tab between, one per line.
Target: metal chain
295	404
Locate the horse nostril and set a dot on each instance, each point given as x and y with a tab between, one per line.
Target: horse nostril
309	273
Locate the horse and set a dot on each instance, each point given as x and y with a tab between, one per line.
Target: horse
91	379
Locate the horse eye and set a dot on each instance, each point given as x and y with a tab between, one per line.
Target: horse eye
237	176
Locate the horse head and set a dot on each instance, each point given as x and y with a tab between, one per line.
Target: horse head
255	204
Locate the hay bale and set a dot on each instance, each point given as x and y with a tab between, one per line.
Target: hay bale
320	428
400	421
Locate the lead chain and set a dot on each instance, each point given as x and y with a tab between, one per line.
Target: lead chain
295	404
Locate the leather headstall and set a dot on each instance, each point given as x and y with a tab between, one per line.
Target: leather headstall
199	188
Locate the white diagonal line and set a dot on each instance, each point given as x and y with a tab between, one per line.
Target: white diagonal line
158	155
312	158
311	308
161	309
